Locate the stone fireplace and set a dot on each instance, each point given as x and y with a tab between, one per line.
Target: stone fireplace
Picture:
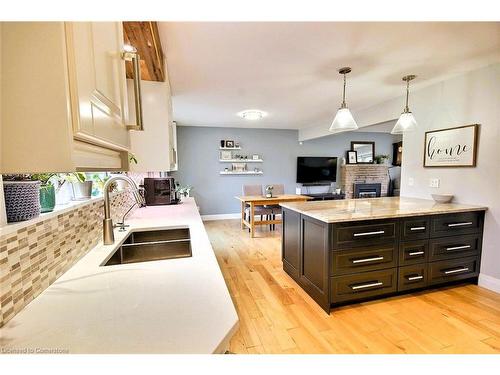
351	174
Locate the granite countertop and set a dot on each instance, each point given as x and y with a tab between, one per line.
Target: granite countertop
166	306
375	208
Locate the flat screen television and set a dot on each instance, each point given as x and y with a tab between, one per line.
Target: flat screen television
313	169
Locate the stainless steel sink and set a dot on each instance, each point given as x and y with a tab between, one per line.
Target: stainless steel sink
146	246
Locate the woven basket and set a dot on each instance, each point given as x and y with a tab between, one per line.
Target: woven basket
22	200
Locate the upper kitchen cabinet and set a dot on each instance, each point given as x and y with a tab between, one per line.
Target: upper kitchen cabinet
97	74
154	147
64	100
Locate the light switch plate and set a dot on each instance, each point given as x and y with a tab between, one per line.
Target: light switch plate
434	182
411	181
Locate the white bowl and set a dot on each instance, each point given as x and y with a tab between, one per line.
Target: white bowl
442	198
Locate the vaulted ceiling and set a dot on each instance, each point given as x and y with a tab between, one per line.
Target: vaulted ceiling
290	69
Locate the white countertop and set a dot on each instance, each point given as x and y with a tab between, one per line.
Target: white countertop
167	306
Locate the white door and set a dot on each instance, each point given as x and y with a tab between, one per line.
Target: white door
98	83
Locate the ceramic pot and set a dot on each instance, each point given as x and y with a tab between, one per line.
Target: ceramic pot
64	194
82	190
47	198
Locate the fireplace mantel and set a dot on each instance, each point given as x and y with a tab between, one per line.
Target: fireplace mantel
363	173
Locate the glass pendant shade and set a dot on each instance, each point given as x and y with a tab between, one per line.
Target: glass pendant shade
405	124
343	121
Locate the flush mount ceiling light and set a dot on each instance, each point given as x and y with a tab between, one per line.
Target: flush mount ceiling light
252	114
343	120
406	122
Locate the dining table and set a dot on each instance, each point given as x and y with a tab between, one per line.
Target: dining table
260	200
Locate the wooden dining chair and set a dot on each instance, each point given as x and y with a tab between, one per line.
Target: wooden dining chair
259	210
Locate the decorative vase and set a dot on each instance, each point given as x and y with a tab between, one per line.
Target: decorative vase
64	194
47	198
22	200
82	190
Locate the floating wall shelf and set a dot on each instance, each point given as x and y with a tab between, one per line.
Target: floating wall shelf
229	148
241	160
222	173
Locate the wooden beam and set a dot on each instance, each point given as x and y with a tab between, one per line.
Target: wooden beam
145	37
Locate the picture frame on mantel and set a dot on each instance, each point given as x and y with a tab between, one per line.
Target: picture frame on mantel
352	157
451	147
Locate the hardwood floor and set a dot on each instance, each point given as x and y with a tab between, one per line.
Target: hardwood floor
276	316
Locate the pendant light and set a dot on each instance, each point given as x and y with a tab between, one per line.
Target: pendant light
343	120
406	122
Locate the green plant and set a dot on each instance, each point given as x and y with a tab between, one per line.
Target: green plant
183	190
379	159
44	178
74	177
132	158
100	181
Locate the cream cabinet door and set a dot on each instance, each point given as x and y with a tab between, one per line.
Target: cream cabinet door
98	83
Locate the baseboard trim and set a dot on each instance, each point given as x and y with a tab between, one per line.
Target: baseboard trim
489	282
220	217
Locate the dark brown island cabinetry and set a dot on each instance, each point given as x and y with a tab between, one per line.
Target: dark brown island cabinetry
338	263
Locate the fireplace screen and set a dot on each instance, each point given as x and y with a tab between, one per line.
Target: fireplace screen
367	190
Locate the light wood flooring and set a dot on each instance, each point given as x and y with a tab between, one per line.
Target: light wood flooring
276	316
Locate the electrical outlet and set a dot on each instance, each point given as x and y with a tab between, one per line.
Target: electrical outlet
411	181
434	182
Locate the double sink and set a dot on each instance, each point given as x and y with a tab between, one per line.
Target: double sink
146	246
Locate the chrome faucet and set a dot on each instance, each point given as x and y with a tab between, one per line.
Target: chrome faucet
107	223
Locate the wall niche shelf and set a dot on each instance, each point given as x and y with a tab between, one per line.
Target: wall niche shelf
229	148
241	160
224	173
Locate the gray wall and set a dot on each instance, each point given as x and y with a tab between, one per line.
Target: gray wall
199	164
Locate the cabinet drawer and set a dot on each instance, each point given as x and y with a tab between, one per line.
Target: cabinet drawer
362	259
451	270
415	228
454	247
412	277
455	224
413	252
364	233
364	285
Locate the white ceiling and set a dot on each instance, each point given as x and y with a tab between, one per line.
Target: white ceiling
290	69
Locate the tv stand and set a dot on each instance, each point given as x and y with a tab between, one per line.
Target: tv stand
326	196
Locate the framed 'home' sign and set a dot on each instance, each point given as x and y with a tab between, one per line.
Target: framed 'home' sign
453	147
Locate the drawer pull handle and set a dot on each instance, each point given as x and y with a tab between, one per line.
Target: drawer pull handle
369	285
417	228
460	224
367	260
369	233
458	247
463	269
415	253
413	278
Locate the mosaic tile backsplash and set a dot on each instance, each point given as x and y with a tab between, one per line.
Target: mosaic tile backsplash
34	256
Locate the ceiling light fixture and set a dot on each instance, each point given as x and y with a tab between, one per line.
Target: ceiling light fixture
406	122
343	120
252	114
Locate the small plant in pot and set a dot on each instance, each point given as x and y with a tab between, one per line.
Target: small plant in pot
22	197
381	159
82	189
182	191
47	191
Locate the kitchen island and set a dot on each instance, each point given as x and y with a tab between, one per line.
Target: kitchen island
357	249
169	306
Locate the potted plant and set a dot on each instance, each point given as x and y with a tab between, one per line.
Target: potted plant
82	188
183	191
22	197
381	159
47	191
